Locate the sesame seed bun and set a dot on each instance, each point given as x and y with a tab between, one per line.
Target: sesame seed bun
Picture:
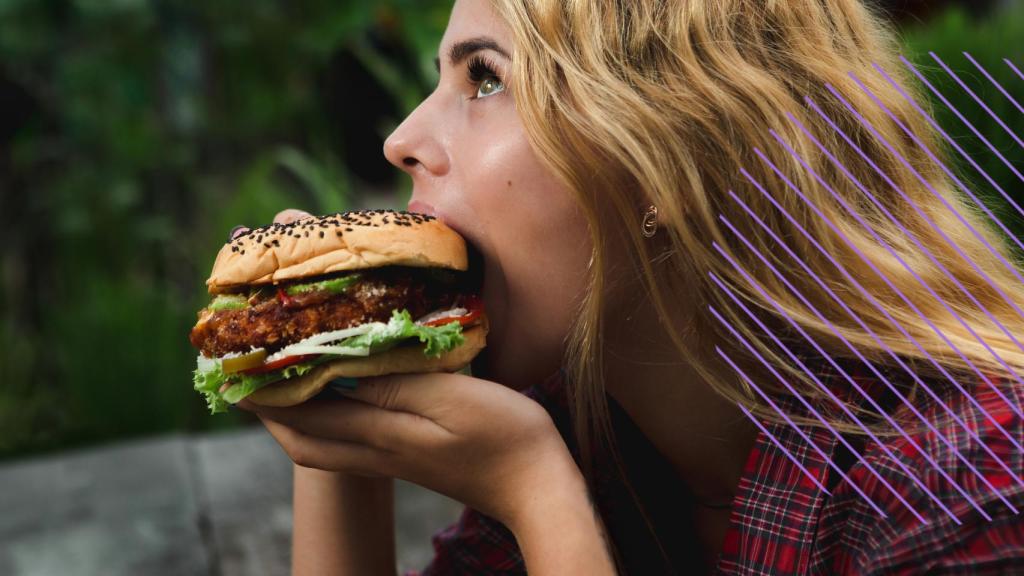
336	243
402	360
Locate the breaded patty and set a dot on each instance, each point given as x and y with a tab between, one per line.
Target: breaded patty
272	322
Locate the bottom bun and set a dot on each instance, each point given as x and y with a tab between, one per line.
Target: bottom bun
401	360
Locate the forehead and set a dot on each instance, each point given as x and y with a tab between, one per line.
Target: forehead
473	18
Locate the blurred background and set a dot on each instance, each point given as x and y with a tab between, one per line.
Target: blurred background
135	133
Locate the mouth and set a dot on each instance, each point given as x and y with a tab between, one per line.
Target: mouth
475	273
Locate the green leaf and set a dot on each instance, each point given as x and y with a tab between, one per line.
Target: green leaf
209	378
438	339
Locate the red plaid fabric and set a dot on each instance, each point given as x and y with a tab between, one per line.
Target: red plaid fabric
781	522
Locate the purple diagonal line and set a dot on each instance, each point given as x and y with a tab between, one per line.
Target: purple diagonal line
1014	68
1009	234
993	81
934	226
783	449
938	401
885	278
828	460
853	382
797	428
978	100
961	117
909	268
842	406
916	208
874	301
931	222
908	233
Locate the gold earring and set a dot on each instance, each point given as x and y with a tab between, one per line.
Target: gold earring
650	221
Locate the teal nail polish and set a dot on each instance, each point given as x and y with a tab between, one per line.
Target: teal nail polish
343	383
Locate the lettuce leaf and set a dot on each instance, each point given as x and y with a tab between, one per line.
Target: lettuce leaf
438	339
209	382
208	377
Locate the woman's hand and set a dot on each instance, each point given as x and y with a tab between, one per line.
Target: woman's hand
283	217
476	441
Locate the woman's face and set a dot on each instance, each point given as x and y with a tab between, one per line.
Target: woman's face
472	167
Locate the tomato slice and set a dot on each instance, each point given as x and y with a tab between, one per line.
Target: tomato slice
474	308
278	364
464	319
283	297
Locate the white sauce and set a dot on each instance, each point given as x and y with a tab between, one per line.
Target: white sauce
437	315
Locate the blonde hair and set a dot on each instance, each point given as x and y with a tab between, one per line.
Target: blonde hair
662	102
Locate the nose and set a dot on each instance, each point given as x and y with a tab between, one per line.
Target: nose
416	146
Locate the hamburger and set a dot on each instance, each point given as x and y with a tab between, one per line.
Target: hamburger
297	306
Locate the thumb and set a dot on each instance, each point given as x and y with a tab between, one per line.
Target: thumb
415	393
291	215
382	391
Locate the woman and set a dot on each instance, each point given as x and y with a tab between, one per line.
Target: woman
667	252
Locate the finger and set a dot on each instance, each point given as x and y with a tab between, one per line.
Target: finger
429	395
237	231
291	215
313	452
355	422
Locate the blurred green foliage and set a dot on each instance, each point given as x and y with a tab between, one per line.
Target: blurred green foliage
989	41
143	130
140	131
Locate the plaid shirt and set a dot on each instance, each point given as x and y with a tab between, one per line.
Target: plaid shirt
781	521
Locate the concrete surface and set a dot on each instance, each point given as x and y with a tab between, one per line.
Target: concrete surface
217	505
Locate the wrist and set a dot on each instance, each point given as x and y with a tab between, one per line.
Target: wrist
343	523
344	480
557	527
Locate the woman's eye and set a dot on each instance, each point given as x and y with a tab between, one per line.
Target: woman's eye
489	87
482	75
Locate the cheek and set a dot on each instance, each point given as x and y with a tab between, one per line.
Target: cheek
542	242
515	196
537	240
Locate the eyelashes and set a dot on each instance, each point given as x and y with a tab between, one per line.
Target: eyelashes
479	69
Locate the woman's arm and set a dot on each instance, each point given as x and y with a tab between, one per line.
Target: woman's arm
343	524
558	530
492	448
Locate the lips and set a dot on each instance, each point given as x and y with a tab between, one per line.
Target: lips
475	274
422	208
476	267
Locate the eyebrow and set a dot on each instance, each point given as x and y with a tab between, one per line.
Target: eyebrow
462	50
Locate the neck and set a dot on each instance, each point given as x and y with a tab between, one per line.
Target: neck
705	437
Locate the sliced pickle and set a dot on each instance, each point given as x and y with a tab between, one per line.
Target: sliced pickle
336	285
243	362
228	302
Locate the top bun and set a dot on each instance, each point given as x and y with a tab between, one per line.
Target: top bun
336	243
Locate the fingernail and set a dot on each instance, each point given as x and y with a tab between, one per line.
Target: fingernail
343	384
236	230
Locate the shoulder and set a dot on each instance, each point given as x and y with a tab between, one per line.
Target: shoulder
944	497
